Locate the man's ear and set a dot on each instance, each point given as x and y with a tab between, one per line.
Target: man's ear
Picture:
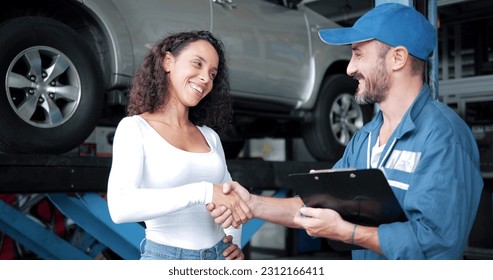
400	56
167	62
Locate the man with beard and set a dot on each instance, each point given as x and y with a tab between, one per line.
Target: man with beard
426	151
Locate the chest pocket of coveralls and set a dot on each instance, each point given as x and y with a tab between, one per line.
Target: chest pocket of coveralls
406	161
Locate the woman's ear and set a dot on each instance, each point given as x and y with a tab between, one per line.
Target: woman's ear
167	62
400	56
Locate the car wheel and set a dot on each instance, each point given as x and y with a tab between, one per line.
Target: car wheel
336	117
52	95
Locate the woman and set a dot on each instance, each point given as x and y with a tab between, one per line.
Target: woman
168	162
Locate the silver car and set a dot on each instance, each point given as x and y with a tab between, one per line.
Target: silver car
66	66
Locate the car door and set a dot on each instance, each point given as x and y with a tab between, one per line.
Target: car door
149	21
268	49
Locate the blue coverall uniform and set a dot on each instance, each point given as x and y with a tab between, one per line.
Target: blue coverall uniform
431	162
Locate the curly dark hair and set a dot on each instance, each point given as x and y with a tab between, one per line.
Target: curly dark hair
149	88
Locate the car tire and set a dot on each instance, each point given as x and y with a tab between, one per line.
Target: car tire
52	95
336	117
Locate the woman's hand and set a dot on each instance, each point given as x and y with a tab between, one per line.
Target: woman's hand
233	252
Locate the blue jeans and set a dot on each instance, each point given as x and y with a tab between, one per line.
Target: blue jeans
155	251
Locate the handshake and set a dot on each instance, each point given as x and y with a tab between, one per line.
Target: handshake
232	205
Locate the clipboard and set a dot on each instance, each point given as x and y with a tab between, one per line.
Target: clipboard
360	196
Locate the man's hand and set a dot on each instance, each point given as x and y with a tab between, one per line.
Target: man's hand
224	215
327	223
319	222
234	209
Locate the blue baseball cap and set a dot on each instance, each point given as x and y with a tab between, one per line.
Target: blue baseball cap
391	23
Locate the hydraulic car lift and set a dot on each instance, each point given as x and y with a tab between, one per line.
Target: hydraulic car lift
76	187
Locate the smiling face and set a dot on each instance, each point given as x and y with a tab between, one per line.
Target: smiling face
192	72
368	67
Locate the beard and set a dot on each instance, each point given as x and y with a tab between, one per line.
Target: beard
376	86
